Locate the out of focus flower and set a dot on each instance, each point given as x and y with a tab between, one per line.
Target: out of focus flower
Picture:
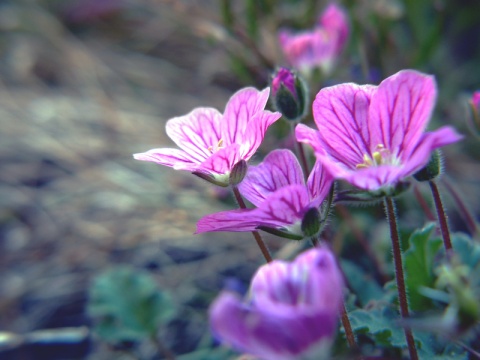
474	121
289	94
87	10
291	313
320	46
283	201
211	144
373	136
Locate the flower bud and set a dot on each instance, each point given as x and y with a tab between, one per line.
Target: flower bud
311	222
432	169
290	95
238	172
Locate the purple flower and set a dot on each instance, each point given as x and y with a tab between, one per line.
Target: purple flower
211	143
277	188
291	313
318	47
476	100
373	136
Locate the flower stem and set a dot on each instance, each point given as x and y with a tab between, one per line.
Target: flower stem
261	244
348	328
357	233
442	217
399	276
301	153
423	204
466	213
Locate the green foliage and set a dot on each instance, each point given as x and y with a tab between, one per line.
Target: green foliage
361	283
127	305
419	263
381	323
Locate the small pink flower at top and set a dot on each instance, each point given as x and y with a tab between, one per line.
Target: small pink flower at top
476	100
277	188
373	136
292	310
211	143
318	47
335	20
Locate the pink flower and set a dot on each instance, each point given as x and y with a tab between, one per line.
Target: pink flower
373	136
335	20
211	144
320	46
476	100
291	313
277	188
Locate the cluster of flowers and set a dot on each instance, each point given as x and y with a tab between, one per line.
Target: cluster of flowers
370	136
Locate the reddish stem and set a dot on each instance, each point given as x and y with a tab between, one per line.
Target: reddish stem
261	244
399	276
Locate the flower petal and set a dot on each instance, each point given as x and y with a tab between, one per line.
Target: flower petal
284	336
230	220
222	161
279	168
255	132
400	110
198	133
175	158
281	209
341	115
430	141
239	111
319	183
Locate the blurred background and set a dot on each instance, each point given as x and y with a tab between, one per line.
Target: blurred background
84	84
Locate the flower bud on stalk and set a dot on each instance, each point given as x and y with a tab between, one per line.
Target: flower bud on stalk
290	94
433	168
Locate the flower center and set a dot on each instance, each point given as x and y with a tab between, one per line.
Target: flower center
215	148
381	156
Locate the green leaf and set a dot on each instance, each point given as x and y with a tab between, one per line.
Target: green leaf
362	283
418	262
127	305
380	325
467	249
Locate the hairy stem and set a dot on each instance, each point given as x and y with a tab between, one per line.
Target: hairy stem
399	276
442	217
357	233
348	328
462	207
301	152
261	244
426	209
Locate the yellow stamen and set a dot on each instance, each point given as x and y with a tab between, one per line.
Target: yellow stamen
377	157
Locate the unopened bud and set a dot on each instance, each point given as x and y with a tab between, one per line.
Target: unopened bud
311	222
432	169
238	172
290	95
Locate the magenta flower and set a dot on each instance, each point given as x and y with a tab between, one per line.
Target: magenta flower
211	143
476	100
277	188
335	20
373	136
318	47
291	313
